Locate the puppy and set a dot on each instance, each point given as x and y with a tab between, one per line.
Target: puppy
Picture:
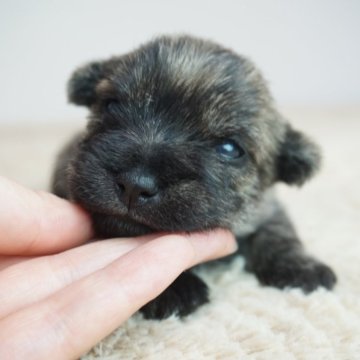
183	135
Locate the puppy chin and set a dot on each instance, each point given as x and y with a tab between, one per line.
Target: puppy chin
164	222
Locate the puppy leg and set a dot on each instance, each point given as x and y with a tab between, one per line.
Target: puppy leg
181	298
276	256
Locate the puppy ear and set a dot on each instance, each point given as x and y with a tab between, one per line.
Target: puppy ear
82	84
299	158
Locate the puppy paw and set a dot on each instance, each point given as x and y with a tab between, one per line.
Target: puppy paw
296	271
181	298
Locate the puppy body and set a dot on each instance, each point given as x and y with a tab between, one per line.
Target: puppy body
183	136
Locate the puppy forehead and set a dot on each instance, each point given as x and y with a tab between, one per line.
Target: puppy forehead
197	64
182	63
197	84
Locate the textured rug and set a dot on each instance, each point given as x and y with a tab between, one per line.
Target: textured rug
245	320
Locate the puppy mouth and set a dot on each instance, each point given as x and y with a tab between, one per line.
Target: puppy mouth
123	225
137	220
117	219
167	224
135	228
137	224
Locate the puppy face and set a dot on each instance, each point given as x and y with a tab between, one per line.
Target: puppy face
182	135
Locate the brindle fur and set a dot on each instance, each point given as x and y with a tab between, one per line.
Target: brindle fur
161	110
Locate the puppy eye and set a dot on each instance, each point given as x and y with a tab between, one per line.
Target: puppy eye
229	149
110	104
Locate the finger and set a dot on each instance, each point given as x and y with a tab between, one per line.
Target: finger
38	222
69	322
6	261
32	280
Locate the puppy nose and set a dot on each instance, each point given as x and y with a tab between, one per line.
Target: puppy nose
137	189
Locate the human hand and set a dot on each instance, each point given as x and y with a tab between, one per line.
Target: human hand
59	297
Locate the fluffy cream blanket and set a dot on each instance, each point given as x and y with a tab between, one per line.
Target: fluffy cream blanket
245	320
